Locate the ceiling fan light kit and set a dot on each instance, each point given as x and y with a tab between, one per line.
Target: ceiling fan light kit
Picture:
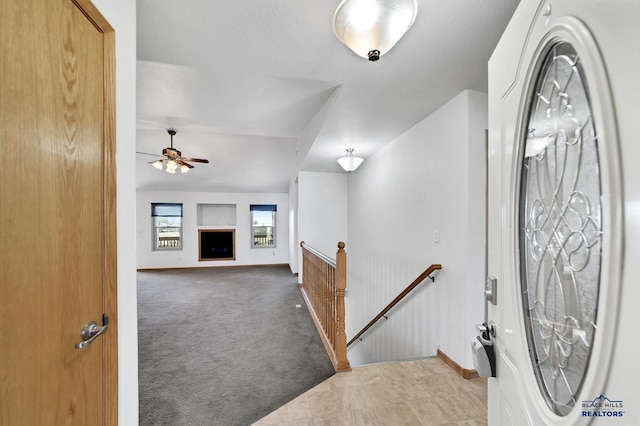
173	160
171	166
372	27
349	162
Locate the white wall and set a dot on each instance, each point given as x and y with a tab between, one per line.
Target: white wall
476	212
294	242
322	210
121	14
310	133
430	179
188	256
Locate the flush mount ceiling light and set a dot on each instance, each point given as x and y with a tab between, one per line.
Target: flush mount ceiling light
372	27
349	163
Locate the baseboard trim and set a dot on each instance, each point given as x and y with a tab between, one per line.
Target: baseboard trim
210	267
463	372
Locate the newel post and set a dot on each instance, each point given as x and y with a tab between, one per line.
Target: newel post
341	335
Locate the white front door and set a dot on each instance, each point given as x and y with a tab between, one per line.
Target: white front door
564	214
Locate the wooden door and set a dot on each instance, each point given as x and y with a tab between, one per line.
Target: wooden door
563	229
57	214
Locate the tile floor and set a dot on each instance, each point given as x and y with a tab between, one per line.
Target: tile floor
422	392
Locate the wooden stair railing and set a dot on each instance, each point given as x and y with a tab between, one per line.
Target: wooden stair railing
323	286
394	302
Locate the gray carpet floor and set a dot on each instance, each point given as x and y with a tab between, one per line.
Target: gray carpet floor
223	346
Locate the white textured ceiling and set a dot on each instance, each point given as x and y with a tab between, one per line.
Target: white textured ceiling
242	80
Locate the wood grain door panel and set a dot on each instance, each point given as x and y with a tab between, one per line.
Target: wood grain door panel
56	213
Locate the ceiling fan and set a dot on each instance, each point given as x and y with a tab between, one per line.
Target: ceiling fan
172	159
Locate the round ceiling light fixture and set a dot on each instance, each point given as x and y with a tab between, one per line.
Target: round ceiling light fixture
372	27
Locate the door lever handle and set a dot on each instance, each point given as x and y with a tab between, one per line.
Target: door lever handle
91	332
486	332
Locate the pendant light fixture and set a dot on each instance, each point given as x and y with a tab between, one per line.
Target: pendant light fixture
349	163
372	27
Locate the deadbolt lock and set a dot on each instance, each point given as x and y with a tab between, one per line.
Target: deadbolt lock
490	290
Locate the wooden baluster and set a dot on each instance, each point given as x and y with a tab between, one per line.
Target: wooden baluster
305	272
320	296
316	277
334	296
324	284
327	302
321	300
329	306
316	294
341	336
310	280
334	307
321	292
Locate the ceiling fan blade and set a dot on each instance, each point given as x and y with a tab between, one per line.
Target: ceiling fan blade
195	160
184	163
146	153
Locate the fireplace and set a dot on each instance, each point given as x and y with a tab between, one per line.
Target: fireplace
216	244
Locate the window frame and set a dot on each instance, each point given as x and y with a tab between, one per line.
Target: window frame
273	208
155	239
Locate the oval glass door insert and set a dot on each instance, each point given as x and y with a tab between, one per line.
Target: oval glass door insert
560	227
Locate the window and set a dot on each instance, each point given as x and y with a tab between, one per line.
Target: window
263	225
167	226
